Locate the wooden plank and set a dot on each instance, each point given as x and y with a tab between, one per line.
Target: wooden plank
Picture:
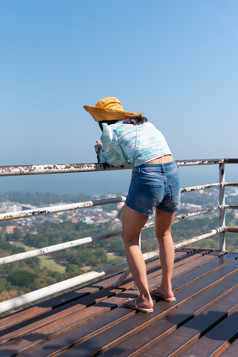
81	334
56	313
184	336
59	326
52	317
138	322
58	316
215	340
210	300
232	349
43	307
21	316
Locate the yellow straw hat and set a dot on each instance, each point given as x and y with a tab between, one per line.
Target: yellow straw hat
109	108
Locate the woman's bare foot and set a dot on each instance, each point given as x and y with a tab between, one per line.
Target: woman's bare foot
164	294
145	302
140	304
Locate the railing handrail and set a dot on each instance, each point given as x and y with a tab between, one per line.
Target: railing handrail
19	170
59	208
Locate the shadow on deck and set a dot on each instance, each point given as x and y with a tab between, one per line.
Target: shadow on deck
92	321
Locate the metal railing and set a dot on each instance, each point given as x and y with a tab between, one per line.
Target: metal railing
113	268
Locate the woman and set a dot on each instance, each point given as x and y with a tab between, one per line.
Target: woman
155	184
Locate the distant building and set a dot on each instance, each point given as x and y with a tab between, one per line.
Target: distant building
88	220
14	207
74	220
10	229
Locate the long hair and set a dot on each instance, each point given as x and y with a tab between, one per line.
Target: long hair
134	121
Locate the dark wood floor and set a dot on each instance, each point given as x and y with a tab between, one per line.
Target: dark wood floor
92	320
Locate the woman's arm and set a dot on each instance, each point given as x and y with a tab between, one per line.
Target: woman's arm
98	148
111	151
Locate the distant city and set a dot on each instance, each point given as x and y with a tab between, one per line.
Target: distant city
192	201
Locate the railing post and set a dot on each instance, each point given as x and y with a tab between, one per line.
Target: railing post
222	215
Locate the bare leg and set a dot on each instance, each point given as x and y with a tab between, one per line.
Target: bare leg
163	222
132	223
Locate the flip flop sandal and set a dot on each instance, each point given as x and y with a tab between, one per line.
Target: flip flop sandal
161	296
135	306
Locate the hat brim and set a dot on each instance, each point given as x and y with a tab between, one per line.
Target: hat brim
101	114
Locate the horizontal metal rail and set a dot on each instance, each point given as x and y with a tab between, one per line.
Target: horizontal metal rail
187	215
55	169
230	207
200	187
59	287
195	239
206	162
59	208
231	229
196	213
211	185
19	170
227	184
57	247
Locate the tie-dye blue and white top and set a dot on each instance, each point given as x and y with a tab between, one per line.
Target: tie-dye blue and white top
136	144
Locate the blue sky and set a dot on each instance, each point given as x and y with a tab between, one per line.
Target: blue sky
173	60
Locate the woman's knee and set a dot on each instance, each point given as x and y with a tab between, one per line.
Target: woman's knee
130	239
163	224
162	235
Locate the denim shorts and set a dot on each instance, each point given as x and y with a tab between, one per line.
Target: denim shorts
154	186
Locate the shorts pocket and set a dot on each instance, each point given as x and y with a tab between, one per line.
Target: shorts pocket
150	178
150	181
173	173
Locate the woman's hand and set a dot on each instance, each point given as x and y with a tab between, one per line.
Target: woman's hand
98	147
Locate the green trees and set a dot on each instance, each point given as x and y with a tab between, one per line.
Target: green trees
22	278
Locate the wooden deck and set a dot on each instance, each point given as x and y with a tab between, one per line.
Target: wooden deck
92	321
